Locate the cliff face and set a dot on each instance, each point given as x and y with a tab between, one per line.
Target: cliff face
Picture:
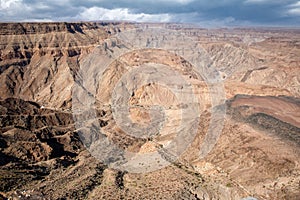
21	41
257	153
53	27
38	60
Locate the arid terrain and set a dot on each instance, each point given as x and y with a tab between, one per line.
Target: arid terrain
45	152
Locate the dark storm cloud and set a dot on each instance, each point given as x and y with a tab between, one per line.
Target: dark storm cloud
211	12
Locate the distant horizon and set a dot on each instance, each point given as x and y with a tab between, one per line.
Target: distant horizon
185	25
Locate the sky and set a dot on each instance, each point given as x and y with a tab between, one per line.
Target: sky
220	13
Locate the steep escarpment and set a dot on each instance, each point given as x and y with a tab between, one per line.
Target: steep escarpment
38	60
21	40
43	28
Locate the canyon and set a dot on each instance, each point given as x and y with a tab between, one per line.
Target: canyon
232	94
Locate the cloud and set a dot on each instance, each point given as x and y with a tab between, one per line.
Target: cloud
9	5
258	1
179	1
294	9
218	12
297	4
5	4
12	9
121	14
